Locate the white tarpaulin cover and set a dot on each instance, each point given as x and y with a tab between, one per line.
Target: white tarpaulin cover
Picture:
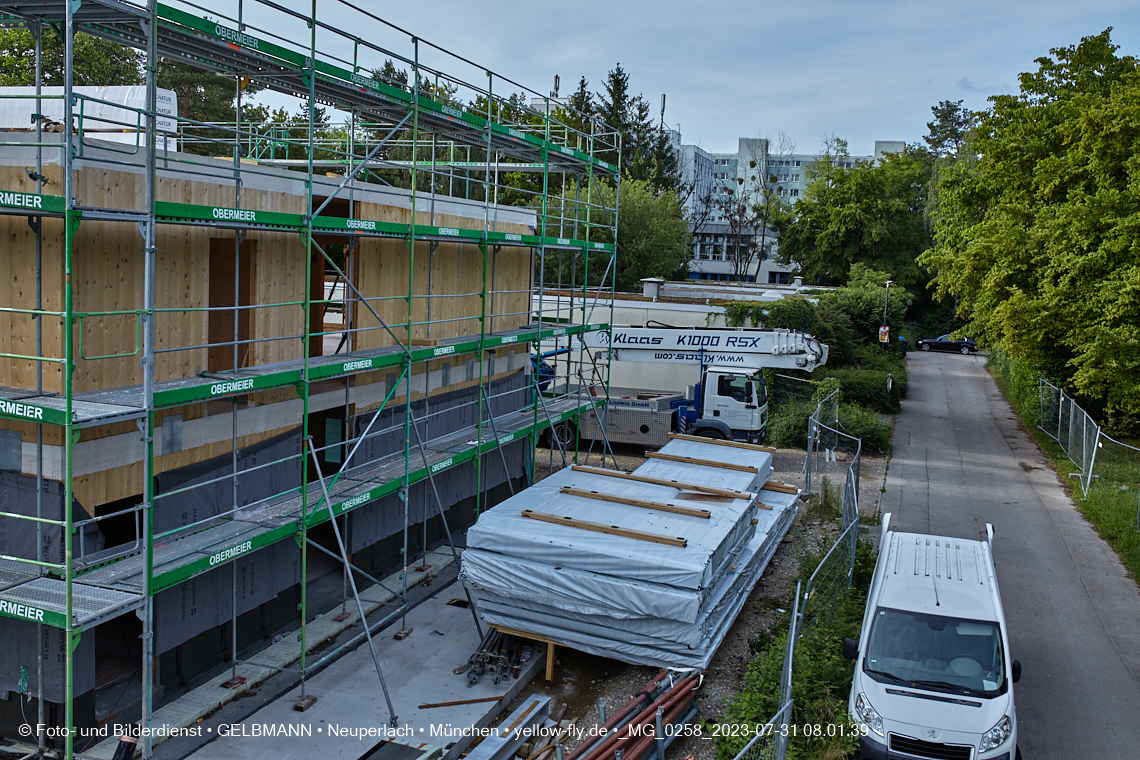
16	113
622	597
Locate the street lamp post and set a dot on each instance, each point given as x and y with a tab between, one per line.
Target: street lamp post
886	300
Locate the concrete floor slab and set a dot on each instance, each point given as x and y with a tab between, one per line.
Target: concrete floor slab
417	670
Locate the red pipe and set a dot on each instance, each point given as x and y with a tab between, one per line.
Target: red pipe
668	719
620	715
667	699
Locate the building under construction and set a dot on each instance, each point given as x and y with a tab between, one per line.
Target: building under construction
239	357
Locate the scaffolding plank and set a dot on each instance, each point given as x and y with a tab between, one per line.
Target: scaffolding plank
44	600
351	86
28	406
32	203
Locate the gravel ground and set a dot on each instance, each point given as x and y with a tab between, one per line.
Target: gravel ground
580	679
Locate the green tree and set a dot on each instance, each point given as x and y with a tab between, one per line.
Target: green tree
870	213
653	238
96	61
950	128
1037	230
646	150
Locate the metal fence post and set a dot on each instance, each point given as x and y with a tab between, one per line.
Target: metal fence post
807	461
1092	457
1060	411
1072	416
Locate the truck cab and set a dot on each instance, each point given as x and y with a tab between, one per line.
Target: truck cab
733	405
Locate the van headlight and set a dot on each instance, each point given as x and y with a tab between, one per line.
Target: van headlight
867	715
993	738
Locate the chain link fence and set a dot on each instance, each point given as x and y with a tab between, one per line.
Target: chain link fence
786	389
1110	466
828	583
829	450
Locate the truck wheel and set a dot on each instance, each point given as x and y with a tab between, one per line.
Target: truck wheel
716	435
562	433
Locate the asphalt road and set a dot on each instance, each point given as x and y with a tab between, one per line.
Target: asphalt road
962	459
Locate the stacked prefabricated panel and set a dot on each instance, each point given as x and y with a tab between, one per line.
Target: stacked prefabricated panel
626	595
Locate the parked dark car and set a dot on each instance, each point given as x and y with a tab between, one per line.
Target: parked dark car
946	343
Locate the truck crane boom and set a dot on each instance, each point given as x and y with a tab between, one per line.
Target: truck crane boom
738	347
730	400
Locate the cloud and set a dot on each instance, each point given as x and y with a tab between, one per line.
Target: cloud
984	89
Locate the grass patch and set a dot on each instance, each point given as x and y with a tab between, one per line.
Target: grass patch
821	677
1110	510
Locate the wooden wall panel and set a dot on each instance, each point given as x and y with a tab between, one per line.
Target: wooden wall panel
108	276
18	288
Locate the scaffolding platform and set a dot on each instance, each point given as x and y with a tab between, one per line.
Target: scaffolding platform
44	600
178	560
51	408
208	43
104	406
415	204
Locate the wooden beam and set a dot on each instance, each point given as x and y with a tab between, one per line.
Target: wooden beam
734	444
643	503
535	637
776	485
703	462
459	702
725	492
612	530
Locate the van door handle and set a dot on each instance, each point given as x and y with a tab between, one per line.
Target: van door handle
749	406
716	412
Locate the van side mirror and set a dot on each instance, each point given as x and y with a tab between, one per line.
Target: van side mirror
851	651
1016	671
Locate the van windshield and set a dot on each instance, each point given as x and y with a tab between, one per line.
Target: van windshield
936	652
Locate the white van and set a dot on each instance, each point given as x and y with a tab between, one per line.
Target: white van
933	675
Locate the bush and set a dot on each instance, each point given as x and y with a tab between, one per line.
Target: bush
786	314
865	309
833	328
868	387
1021	384
873	357
865	424
788	424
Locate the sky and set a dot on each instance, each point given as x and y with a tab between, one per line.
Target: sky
862	71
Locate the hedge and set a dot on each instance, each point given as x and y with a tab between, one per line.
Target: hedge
868	387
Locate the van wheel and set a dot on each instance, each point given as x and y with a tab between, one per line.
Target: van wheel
1017	753
712	433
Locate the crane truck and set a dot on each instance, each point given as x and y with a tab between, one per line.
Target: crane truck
728	402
